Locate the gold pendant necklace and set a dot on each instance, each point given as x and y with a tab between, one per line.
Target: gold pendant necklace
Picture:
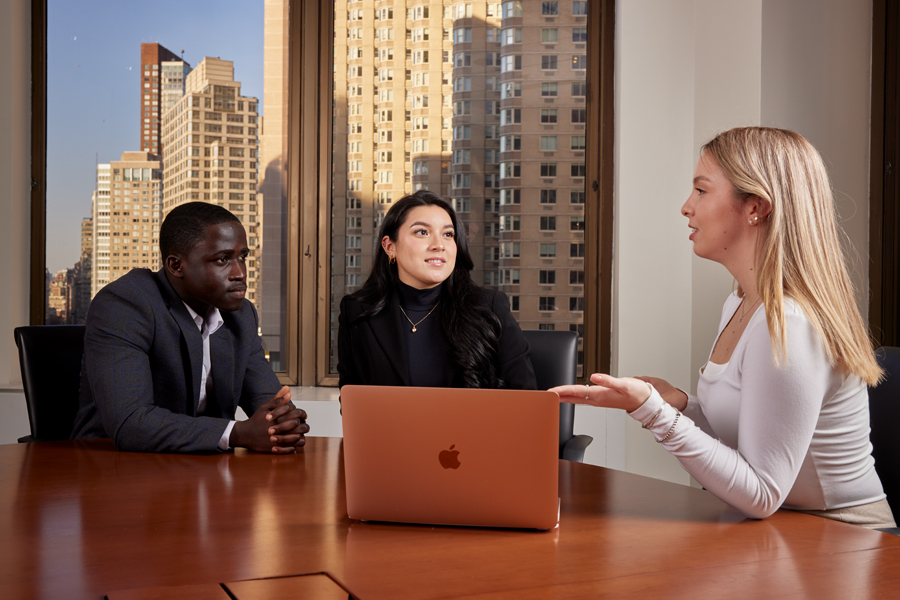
420	320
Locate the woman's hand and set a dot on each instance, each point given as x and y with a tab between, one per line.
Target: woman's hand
626	393
669	393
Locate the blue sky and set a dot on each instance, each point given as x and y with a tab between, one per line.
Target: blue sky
93	90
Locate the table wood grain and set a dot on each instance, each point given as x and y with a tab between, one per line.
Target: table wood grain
81	520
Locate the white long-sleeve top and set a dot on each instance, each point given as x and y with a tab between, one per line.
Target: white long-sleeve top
760	437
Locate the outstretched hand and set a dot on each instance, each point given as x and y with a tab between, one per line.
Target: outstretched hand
277	426
626	393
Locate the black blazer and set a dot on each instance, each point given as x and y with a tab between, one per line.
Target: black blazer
371	350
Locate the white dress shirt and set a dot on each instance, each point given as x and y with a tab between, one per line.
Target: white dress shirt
207	327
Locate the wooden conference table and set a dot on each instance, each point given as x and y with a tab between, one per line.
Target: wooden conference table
81	520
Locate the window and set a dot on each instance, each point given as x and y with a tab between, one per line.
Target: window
511	9
579	61
462	108
576	223
579	7
548	115
512	35
546	303
462	205
579	34
550	36
548	196
510	249
576	277
510	63
576	196
576	304
579	115
512	90
510	143
511	223
548	223
462	11
460	180
547	250
511	116
510	169
461	84
548	143
548	169
375	199
462	35
578	142
549	62
578	170
547	277
576	250
462	59
549	89
510	196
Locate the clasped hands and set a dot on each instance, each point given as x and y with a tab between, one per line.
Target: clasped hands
277	426
626	393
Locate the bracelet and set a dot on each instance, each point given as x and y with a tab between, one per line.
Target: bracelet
671	429
653	420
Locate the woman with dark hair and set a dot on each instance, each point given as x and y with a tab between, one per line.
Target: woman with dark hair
419	319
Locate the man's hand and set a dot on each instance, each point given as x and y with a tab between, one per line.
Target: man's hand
277	426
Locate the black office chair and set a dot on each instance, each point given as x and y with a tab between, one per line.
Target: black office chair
884	417
554	356
50	360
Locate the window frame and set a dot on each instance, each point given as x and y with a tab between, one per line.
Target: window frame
307	171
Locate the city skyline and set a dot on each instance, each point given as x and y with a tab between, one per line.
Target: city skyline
93	65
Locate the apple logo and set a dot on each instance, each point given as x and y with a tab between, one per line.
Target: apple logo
448	458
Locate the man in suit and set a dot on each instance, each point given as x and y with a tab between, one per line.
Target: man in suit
168	356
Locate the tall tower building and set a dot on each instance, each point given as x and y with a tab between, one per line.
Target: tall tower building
100	220
211	151
83	268
159	86
542	165
483	103
127	225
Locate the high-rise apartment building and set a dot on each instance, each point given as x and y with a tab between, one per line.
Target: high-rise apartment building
162	82
483	103
126	217
100	221
211	151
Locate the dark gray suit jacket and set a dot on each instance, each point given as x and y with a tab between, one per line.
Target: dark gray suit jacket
371	349
140	377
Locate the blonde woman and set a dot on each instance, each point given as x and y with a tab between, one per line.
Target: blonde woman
781	414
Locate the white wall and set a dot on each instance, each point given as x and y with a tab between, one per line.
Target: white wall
686	69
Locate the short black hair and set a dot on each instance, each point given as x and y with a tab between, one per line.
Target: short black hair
185	227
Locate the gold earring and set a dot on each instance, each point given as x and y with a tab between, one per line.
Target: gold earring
392	260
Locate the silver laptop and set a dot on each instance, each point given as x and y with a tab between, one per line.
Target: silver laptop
446	456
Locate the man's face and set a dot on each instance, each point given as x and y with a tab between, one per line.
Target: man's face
214	272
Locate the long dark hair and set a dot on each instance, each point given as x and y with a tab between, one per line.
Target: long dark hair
470	329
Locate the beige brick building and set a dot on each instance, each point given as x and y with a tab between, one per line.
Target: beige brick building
211	152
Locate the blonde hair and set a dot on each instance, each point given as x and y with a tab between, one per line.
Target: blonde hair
799	251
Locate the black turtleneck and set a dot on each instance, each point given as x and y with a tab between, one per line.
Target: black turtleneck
426	354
